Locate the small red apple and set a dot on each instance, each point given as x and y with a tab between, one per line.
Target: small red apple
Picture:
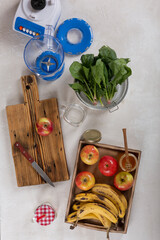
108	165
89	154
123	181
44	126
85	180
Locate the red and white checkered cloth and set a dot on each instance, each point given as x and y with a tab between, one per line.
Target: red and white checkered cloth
44	215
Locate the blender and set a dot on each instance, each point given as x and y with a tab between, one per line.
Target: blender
44	55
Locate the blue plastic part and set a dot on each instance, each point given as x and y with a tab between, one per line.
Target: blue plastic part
83	27
56	76
48	63
28	25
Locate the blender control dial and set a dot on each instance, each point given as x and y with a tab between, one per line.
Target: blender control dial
38	4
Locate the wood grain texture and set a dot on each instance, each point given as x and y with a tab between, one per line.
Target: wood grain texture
116	152
48	151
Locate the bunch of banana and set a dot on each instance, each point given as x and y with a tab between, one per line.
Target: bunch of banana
92	211
101	211
104	203
116	197
96	208
71	218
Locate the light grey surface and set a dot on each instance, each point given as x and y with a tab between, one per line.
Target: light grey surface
132	28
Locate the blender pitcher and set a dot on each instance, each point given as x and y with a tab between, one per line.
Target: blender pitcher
44	56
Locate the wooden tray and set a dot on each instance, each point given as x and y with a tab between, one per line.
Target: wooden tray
115	152
47	151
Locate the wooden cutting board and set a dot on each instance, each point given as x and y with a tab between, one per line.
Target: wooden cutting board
47	151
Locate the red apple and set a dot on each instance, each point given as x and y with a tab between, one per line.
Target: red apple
123	181
85	180
44	126
108	165
89	154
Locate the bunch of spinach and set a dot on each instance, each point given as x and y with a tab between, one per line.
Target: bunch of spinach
98	76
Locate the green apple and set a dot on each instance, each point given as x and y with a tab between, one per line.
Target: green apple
123	181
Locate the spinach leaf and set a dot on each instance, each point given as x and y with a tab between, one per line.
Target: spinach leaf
98	76
120	71
77	87
118	65
86	72
125	76
106	77
98	71
107	54
87	60
77	71
99	94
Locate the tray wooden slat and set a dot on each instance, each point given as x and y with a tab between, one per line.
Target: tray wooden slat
48	151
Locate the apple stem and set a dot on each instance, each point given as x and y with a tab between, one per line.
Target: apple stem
85	180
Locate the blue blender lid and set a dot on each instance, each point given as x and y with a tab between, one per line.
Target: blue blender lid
86	36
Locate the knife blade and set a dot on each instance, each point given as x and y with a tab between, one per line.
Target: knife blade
34	164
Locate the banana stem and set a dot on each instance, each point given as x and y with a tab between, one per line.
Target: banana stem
116	226
74	225
108	234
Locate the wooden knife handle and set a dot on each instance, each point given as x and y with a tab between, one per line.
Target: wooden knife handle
24	152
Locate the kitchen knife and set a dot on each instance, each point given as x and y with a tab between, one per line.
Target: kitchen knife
34	164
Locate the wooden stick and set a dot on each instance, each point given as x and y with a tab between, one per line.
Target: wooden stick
125	144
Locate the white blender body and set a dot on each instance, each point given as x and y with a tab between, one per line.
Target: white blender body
32	21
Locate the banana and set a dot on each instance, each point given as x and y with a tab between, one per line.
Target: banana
96	208
112	194
91	197
77	205
124	200
118	192
71	218
105	221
